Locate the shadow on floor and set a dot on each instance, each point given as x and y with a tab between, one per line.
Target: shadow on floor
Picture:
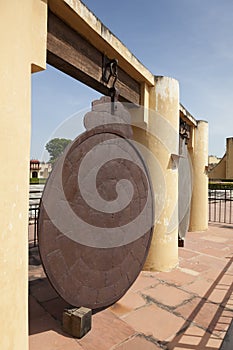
191	337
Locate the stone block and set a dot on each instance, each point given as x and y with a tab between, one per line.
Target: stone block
77	322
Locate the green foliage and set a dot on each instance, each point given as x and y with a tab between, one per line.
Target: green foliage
56	147
35	180
221	185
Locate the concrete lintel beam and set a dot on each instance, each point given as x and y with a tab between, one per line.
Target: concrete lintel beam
187	117
69	52
77	16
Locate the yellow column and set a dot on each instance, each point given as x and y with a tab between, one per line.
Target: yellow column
162	140
23	48
199	157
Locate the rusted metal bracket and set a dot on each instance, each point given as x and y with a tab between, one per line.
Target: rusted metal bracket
180	242
110	70
184	131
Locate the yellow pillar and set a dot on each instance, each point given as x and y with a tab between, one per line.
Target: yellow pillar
23	48
162	139
199	158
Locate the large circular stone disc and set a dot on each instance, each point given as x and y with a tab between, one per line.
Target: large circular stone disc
96	219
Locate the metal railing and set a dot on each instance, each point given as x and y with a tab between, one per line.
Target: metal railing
220	209
35	194
221	206
33	224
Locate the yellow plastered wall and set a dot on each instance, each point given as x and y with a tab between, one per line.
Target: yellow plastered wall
23	29
224	169
219	171
229	159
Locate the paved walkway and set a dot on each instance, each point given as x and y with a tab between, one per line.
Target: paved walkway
189	308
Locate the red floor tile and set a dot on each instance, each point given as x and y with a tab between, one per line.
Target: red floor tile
167	295
154	321
137	343
107	331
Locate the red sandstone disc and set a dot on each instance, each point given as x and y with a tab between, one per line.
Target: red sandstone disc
96	219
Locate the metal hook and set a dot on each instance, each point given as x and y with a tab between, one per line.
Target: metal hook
110	69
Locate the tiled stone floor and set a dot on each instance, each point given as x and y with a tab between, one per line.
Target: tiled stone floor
188	308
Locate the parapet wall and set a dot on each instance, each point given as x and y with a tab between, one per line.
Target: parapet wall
224	169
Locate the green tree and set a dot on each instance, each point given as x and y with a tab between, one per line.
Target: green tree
55	147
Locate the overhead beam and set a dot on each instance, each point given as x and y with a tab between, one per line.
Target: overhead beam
186	116
83	21
76	41
71	53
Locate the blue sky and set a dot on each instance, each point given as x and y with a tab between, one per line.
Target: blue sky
190	40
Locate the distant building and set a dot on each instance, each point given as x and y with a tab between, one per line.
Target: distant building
213	161
39	170
223	170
